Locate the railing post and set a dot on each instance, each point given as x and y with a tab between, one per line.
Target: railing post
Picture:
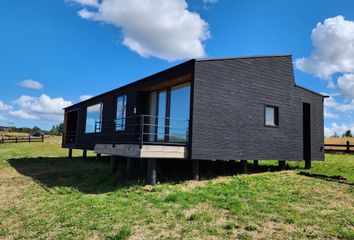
42	138
16	139
141	131
348	147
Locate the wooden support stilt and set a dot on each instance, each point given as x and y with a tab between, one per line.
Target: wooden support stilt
151	174
195	169
255	163
98	156
282	165
307	163
243	166
70	153
84	154
114	164
142	165
130	168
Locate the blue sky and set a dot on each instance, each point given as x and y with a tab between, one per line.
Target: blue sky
54	52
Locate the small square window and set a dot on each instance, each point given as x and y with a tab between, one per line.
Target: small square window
271	116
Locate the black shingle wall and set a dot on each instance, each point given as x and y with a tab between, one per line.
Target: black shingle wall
228	110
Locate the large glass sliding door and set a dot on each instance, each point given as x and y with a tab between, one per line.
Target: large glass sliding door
179	113
161	116
169	114
152	120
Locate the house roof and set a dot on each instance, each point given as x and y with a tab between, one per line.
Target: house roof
306	89
188	62
241	57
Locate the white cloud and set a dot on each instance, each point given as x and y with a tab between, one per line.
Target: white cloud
333	51
5	107
42	107
210	1
339	129
22	114
331	103
43	104
92	3
85	97
2	118
165	29
29	83
346	85
328	114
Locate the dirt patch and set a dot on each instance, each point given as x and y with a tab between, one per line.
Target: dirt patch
190	185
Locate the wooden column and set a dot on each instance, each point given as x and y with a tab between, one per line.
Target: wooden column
114	164
70	153
282	165
255	163
243	166
84	154
98	156
307	163
142	165
195	169
130	168
151	174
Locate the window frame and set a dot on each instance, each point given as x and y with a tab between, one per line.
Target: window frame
276	116
124	115
101	117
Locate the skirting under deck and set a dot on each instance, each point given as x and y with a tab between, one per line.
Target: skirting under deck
147	151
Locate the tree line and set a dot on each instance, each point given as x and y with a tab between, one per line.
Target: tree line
347	133
55	130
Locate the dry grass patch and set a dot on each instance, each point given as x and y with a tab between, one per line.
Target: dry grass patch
44	195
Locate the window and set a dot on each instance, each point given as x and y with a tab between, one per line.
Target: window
121	112
179	113
271	116
94	118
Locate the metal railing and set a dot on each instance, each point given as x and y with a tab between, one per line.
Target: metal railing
143	129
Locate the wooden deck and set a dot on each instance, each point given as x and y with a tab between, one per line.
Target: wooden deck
147	151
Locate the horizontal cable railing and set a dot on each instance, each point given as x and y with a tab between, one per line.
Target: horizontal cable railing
143	129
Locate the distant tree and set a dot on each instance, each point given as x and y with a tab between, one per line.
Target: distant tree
348	133
36	129
60	128
56	130
335	135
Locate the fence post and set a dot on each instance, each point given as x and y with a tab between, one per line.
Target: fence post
348	147
42	138
16	139
29	139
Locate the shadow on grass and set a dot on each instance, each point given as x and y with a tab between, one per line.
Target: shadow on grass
94	176
85	175
332	178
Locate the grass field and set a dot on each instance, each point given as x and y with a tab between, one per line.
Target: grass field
341	140
12	134
44	195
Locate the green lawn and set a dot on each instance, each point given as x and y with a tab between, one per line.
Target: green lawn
44	195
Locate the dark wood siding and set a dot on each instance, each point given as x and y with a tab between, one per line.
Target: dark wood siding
136	98
228	110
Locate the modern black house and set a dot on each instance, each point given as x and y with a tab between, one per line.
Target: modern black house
245	108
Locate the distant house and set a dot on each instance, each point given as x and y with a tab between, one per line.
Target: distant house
204	109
